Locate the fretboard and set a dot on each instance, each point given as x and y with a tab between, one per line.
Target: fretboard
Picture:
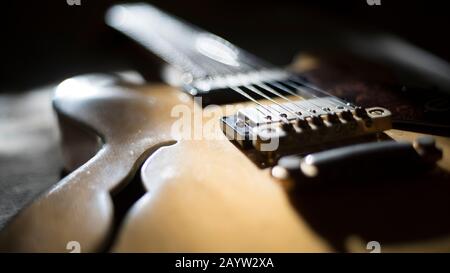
190	49
205	64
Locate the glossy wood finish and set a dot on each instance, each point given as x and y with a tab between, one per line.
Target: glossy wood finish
79	208
203	195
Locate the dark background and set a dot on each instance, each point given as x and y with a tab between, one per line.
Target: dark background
46	41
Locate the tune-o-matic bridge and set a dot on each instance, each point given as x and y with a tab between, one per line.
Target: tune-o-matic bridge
294	127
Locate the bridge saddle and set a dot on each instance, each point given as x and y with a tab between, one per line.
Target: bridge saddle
271	130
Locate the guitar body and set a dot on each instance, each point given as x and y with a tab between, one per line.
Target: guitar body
151	170
204	194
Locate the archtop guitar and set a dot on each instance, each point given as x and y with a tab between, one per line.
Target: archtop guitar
230	154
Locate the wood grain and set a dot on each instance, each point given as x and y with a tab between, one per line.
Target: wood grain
79	207
204	195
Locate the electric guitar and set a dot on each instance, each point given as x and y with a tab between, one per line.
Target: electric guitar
231	154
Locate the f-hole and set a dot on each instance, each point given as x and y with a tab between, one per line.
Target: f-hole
127	196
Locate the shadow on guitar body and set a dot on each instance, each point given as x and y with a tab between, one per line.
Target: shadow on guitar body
401	213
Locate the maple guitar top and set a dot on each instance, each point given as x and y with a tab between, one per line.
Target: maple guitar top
203	192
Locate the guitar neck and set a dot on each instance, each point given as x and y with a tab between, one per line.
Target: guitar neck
204	64
188	48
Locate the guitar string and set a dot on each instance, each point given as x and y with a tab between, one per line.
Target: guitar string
285	89
213	66
219	73
298	87
315	88
265	87
271	90
309	101
253	89
243	93
291	93
186	30
302	82
238	89
337	102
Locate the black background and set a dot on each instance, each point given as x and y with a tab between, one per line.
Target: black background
47	41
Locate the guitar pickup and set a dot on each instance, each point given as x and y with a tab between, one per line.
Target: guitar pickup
295	127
